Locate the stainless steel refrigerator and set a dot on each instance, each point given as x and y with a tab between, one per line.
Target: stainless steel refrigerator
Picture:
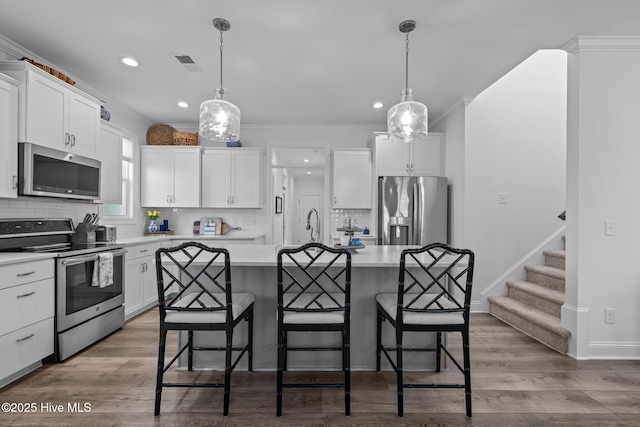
412	210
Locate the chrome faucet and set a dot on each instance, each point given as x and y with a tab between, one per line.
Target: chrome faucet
309	227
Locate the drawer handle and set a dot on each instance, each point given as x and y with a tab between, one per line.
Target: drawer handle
29	273
27	294
25	338
144	250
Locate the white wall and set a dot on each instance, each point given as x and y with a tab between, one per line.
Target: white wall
603	177
453	125
515	142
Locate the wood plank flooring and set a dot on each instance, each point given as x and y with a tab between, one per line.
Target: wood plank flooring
516	382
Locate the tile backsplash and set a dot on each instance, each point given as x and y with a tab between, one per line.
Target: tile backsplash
26	207
363	216
181	219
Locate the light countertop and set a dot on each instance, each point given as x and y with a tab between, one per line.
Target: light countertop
7	258
370	256
165	237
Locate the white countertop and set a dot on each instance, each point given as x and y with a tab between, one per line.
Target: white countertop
167	237
7	258
370	256
246	255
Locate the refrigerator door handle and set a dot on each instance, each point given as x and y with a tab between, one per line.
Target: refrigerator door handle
417	213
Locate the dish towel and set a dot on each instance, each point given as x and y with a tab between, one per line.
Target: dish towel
103	270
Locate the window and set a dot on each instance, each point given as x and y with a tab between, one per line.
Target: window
124	211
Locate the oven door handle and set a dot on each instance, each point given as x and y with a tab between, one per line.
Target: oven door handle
87	258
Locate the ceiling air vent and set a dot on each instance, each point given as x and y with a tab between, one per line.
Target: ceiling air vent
186	61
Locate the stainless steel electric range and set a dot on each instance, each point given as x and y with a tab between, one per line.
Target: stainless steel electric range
86	311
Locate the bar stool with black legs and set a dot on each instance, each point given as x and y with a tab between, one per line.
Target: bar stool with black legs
194	294
434	295
314	294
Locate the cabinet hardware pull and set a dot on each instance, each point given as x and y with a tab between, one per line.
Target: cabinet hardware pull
26	338
67	138
233	200
26	295
73	140
168	198
28	273
407	167
144	250
15	181
411	167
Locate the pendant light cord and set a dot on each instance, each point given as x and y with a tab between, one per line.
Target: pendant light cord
407	63
221	87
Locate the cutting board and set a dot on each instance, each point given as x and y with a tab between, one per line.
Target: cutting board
225	228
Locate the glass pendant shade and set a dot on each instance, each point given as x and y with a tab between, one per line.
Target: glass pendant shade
219	119
407	121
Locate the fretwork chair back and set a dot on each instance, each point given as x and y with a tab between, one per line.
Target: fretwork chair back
434	295
194	294
314	294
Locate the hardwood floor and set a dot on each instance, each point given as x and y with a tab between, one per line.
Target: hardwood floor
516	382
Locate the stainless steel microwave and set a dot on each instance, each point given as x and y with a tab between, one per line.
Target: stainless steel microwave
48	172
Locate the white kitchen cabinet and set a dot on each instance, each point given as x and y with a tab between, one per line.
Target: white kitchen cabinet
140	289
400	159
170	177
109	152
27	298
53	113
8	137
231	178
352	183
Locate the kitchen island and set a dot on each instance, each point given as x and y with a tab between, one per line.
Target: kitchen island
374	269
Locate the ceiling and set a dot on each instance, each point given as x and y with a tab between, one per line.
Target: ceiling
299	62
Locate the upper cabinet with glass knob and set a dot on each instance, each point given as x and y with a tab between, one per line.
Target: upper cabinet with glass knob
53	113
8	137
407	159
352	179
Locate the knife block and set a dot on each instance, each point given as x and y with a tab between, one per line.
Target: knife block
82	235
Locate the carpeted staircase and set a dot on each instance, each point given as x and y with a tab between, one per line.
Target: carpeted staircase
533	305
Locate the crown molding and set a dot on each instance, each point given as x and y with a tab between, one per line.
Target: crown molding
372	128
461	100
602	44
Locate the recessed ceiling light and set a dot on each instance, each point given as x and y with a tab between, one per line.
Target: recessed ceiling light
183	104
308	173
378	105
306	160
129	61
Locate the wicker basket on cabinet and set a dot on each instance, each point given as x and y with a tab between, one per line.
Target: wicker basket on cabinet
185	138
160	134
50	70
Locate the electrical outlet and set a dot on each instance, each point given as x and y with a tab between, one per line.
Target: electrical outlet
610	315
610	227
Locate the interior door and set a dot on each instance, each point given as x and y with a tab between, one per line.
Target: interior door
306	202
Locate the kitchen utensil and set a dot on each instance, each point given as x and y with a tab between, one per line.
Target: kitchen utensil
225	228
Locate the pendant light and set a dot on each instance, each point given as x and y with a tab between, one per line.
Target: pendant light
407	121
220	119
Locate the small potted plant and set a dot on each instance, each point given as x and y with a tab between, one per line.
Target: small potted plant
153	216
